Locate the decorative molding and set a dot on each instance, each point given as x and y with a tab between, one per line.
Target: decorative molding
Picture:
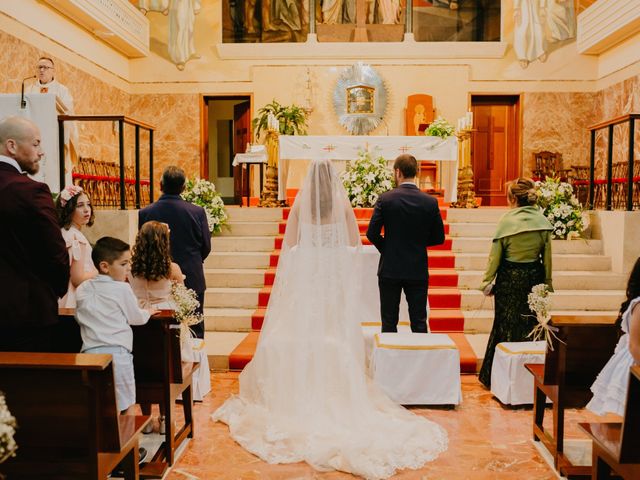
409	49
116	22
607	23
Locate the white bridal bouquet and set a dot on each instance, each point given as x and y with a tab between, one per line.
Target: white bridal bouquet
540	304
7	431
562	208
365	179
203	193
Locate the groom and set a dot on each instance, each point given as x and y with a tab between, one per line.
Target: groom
412	222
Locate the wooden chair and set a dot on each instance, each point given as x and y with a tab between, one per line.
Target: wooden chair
579	179
68	422
615	445
161	376
583	347
549	164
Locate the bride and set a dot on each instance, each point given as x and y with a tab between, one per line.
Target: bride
305	396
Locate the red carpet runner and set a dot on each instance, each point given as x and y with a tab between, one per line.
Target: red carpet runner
444	297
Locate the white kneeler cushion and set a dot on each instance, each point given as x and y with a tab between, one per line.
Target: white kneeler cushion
511	383
369	330
417	368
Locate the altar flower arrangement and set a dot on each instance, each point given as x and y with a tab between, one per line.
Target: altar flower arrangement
540	304
366	178
561	207
203	193
7	431
440	128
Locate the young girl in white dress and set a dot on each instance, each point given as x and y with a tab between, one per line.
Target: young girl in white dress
610	388
74	212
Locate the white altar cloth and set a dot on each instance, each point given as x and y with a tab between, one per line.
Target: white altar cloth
345	147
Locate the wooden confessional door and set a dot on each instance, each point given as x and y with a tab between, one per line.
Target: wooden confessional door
241	136
495	148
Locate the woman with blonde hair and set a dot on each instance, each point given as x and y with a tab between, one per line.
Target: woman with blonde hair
520	258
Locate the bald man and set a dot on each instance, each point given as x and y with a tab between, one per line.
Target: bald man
34	263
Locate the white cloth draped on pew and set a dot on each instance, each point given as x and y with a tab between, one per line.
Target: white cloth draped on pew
342	147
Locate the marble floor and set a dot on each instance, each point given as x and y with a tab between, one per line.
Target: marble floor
486	441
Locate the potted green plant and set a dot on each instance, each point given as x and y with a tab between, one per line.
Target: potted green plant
292	119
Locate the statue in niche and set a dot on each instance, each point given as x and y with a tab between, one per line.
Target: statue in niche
338	11
561	19
529	40
182	18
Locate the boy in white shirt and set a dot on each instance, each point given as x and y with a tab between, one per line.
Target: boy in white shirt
106	306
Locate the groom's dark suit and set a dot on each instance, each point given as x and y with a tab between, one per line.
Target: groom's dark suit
412	222
34	263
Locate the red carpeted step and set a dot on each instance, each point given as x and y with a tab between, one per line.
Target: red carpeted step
444	298
443	277
468	359
277	242
243	353
263	296
257	318
270	276
446	320
437	259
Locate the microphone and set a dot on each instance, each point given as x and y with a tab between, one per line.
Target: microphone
386	125
23	102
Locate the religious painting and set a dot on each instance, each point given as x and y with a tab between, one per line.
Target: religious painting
360	99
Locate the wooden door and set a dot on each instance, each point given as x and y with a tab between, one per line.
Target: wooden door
241	136
495	147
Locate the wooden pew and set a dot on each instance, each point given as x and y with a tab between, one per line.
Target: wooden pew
616	446
161	376
584	347
68	423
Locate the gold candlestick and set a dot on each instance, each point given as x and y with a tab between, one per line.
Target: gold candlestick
466	192
269	194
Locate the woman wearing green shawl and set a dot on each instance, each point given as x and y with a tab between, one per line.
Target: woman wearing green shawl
520	258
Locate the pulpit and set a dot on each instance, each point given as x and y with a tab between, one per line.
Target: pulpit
43	110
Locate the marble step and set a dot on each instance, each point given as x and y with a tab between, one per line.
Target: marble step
561	262
237	214
248	229
472	229
483	245
242	244
562	280
231	297
560	299
481	321
228	319
238	260
475	215
235	277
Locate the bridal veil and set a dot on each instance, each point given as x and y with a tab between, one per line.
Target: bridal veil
305	396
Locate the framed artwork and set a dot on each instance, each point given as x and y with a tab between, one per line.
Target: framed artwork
360	99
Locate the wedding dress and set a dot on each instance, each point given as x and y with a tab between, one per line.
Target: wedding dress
305	396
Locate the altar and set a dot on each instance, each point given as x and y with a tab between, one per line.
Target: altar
295	149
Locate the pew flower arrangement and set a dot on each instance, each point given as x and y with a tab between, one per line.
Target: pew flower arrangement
366	178
203	193
540	304
7	431
562	208
186	312
440	128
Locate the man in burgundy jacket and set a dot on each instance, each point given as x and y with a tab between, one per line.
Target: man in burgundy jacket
34	263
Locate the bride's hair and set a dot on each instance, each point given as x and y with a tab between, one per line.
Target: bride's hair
151	257
321	192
